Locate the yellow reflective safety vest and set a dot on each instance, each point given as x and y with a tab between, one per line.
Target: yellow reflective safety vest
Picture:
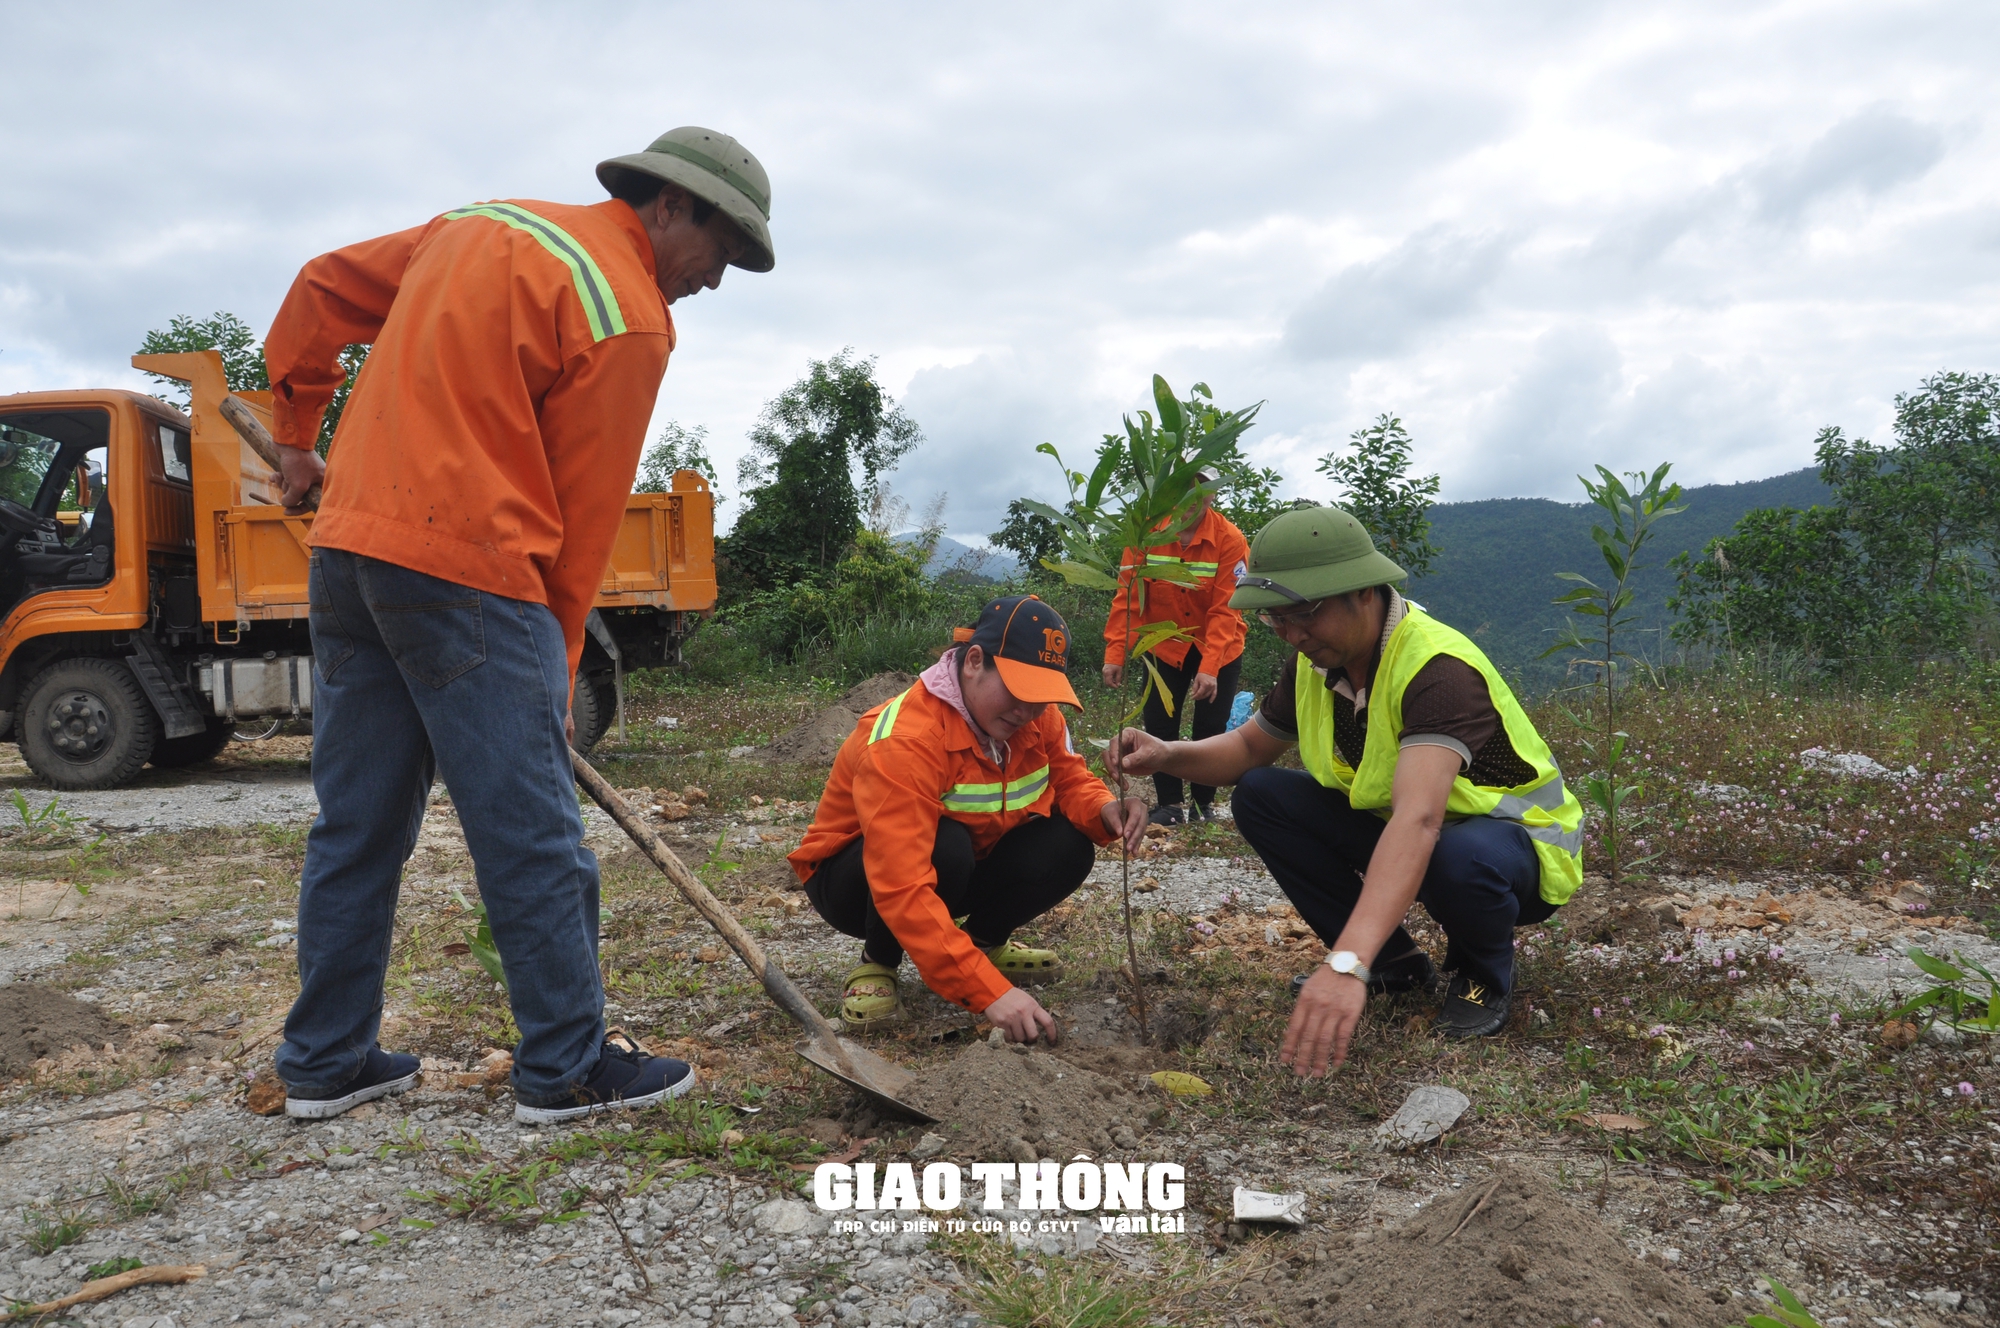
1547	810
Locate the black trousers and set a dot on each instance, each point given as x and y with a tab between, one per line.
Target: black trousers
1483	881
1210	717
1034	867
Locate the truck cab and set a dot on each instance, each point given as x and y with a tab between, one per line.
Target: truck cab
153	590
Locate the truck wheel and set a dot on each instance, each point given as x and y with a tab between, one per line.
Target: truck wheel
174	753
593	707
85	724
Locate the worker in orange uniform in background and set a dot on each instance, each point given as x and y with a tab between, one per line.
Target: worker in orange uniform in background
1204	670
477	480
962	801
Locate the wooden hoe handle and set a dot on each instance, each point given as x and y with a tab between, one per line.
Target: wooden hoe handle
252	431
781	988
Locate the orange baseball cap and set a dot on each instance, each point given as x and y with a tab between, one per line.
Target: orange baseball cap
1029	643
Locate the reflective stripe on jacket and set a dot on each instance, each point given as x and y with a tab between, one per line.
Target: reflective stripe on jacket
1215	552
1543	806
911	762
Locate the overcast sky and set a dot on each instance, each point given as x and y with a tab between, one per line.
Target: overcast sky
1545	234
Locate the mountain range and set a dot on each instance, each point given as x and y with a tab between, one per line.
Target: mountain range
1495	574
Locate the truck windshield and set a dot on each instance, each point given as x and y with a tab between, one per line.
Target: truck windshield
33	444
25	458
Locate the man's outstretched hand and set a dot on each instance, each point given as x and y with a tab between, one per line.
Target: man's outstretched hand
1021	1017
1135	753
1323	1022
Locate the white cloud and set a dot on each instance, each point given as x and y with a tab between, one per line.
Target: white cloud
1544	234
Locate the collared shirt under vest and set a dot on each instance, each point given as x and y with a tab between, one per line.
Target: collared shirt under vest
1540	802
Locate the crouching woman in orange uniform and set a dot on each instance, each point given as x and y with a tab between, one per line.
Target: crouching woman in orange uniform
957	812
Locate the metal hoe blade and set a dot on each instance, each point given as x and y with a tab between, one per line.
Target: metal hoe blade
882	1080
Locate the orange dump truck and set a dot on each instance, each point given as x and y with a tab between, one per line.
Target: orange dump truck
153	593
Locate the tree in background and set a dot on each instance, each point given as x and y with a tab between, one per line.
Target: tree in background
818	454
677	448
1902	562
242	362
1033	539
1377	489
1633	512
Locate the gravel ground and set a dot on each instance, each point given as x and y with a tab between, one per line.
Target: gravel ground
317	1233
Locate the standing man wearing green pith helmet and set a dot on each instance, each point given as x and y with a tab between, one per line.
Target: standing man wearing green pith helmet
472	493
1424	782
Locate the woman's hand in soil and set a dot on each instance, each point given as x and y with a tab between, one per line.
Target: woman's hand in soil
1021	1018
1328	1010
1134	752
1127	820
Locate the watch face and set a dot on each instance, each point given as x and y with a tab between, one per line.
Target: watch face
1345	962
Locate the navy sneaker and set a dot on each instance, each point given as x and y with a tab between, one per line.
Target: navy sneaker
383	1073
625	1078
1170	814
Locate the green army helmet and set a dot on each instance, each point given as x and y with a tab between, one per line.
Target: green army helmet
1309	554
715	168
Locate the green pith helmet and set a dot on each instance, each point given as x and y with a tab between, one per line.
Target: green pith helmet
717	169
1307	555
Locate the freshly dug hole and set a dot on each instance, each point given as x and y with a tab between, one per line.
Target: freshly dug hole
1526	1259
990	1100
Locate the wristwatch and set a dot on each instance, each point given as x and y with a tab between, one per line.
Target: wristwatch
1348	964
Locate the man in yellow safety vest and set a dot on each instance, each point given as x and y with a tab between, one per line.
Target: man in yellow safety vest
1424	781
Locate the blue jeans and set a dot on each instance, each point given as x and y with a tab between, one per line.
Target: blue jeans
413	677
1483	881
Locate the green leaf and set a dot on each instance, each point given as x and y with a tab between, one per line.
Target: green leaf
1171	417
1078	574
1155	634
1934	966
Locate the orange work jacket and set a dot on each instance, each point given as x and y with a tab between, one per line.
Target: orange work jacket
1216	552
913	761
494	431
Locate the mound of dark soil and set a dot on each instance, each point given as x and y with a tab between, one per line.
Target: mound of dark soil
37	1021
993	1100
817	741
1506	1252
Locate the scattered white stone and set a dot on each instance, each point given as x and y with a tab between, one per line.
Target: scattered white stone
782	1217
929	1146
1425	1115
348	1237
1943	1035
1851	765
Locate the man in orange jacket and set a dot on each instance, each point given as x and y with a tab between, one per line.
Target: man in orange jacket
477	480
962	800
1203	670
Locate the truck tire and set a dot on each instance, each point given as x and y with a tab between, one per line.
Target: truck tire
594	707
86	724
175	753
